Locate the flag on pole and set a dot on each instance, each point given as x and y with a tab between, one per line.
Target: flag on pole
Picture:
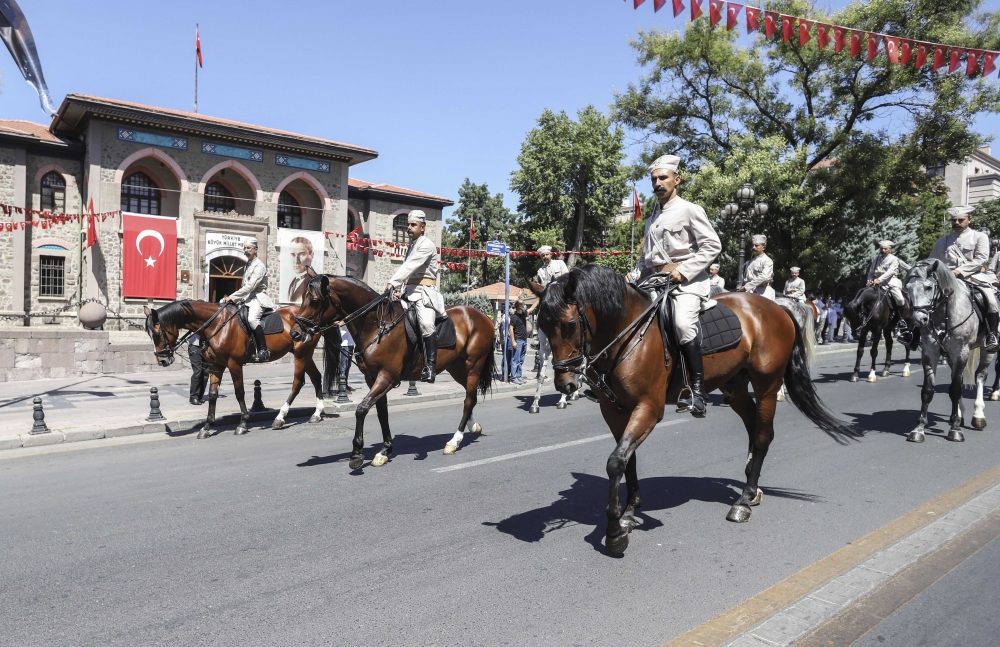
91	227
472	229
16	35
197	46
636	206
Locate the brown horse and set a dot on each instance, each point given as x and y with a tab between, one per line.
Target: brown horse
230	347
593	307
383	351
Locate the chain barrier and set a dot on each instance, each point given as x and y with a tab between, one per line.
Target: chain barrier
69	306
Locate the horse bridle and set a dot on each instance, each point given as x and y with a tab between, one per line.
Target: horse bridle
932	308
168	350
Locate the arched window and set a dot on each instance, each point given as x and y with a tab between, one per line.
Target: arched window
218	198
399	234
54	192
352	222
140	195
289	211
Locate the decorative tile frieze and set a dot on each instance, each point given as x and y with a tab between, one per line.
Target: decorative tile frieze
301	162
225	150
142	137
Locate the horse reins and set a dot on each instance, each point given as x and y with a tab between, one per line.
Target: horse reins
169	350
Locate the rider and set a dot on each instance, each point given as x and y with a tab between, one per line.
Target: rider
965	251
550	270
252	294
681	233
419	273
759	271
884	272
717	283
795	288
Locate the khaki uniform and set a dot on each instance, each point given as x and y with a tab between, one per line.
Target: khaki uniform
758	275
252	292
546	274
967	253
795	289
886	270
681	233
717	282
417	277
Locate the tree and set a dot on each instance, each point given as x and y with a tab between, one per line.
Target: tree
571	177
493	221
837	146
986	215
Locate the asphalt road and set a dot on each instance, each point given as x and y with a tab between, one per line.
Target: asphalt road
269	538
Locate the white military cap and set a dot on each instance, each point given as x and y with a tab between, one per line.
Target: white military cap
713	266
960	211
669	162
795	269
759	239
251	241
416	216
545	249
886	243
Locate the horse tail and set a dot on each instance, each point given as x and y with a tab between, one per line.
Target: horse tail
971	366
802	315
802	393
486	373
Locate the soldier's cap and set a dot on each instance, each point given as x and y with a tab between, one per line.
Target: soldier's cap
545	249
669	162
416	216
713	266
251	241
960	211
795	269
759	239
887	243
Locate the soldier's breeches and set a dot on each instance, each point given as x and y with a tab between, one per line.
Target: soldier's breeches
254	312
686	310
896	294
425	317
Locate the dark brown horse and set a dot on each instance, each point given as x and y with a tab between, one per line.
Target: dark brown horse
870	312
383	351
230	347
593	308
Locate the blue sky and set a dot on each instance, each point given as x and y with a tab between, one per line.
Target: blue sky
444	90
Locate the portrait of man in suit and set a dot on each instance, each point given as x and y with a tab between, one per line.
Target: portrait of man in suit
301	251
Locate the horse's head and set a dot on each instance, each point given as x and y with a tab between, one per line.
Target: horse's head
562	318
164	336
318	308
926	289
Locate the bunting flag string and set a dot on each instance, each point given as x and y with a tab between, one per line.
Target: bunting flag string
45	219
898	50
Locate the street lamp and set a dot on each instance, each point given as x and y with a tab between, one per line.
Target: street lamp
743	214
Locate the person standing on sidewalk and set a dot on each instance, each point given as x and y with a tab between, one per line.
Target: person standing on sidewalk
199	369
346	353
518	335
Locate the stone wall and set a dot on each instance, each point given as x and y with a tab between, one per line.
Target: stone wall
379	219
8	300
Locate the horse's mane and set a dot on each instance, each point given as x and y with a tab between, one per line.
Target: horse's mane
176	313
350	279
600	288
928	267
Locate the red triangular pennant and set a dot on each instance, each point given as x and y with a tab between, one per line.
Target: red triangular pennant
714	11
873	41
787	24
839	36
753	19
973	65
657	5
695	9
732	15
956	58
989	62
678	7
939	53
804	27
892	48
855	43
638	2
822	35
770	23
922	49
905	51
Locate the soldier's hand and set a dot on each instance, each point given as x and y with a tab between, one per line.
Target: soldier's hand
677	277
876	281
742	288
957	273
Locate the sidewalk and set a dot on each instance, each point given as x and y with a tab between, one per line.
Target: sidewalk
85	408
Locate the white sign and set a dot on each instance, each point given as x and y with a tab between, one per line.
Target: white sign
215	241
301	258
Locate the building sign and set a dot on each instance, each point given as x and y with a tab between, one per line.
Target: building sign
301	258
301	162
141	137
220	244
232	151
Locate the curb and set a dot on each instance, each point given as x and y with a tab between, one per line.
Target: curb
188	424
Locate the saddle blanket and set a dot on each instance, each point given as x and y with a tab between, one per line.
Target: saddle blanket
720	329
271	321
446	337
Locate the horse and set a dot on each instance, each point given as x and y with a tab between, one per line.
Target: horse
230	347
545	358
592	307
386	357
943	309
870	312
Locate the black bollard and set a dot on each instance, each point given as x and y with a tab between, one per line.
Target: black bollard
258	404
413	389
154	406
39	426
342	389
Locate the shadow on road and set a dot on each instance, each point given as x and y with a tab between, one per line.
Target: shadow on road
583	504
902	421
402	445
549	400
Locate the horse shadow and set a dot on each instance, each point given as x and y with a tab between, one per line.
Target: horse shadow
899	422
582	505
420	447
549	400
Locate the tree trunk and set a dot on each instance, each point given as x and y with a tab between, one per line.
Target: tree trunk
581	217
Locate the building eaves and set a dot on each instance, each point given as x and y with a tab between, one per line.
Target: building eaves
27	133
361	189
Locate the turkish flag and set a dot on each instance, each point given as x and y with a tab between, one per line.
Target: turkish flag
873	41
892	48
732	15
938	57
636	206
956	58
974	56
753	19
472	229
855	43
149	257
921	54
678	7
770	23
91	228
197	45
822	35
657	5
804	27
714	11
695	9
905	51
787	23
638	2
988	62
838	38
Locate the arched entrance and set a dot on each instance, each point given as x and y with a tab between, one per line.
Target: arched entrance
225	276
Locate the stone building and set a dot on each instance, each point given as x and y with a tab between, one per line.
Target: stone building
973	180
219	180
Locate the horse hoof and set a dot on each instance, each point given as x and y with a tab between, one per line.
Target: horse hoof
204	433
450	449
561	404
995	396
315	418
738	514
533	409
781	397
240	431
872	378
575	396
617	544
380	460
915	437
956	436
979	423
854	378
278	423
356	462
756	500
477	429
885	373
905	373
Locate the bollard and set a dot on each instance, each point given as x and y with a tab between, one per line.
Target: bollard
39	426
342	389
258	404
413	389
154	406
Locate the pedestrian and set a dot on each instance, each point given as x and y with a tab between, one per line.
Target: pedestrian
518	336
199	369
795	287
346	353
820	303
833	319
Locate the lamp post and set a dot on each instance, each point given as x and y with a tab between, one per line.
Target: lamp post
744	213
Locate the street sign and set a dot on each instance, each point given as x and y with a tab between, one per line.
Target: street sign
495	248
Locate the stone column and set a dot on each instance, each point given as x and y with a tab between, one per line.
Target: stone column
21	289
92	191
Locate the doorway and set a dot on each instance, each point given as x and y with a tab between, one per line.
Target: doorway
225	276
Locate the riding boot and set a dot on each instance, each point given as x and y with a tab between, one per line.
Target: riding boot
696	374
263	354
430	358
992	342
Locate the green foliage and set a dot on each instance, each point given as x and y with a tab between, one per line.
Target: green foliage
477	301
835	145
986	215
493	221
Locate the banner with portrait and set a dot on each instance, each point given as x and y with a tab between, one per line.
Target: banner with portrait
300	254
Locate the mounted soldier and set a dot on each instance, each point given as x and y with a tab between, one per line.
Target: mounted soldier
717	283
417	279
759	272
795	287
884	273
550	270
252	294
965	252
680	233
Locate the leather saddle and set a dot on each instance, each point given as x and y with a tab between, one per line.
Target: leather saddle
978	305
444	327
270	320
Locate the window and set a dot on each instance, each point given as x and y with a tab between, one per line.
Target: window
54	192
140	195
399	234
936	170
352	222
289	211
218	198
51	276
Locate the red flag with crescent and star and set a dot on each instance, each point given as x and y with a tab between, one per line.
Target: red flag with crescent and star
149	257
91	227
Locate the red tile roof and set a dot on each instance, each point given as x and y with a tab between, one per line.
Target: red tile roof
389	188
28	128
496	291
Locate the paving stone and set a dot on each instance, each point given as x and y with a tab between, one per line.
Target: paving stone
747	640
126	430
11	441
40	440
964	517
936	533
83	433
891	561
781	629
837	593
812	610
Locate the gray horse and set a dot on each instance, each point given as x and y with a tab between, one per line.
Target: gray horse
947	319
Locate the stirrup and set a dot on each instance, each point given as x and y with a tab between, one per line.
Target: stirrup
992	342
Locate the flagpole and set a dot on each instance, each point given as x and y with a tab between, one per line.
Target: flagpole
196	69
631	254
468	265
